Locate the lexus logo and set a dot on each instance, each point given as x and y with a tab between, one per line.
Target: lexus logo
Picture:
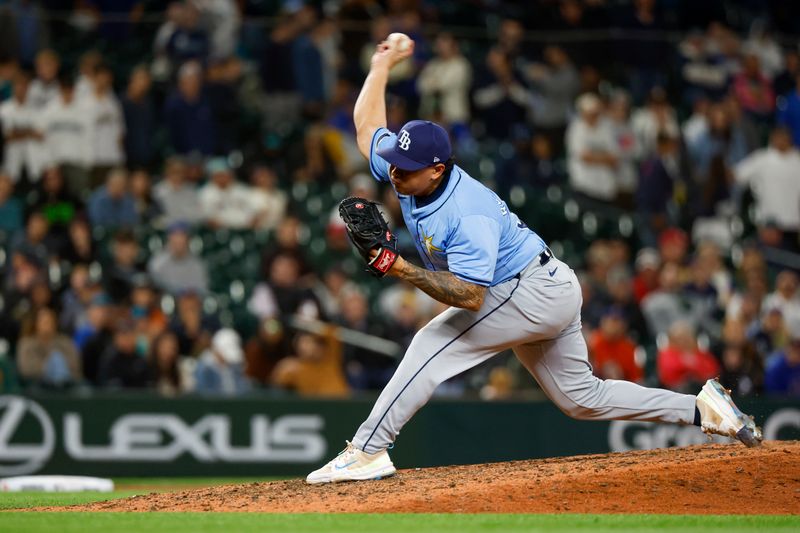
29	451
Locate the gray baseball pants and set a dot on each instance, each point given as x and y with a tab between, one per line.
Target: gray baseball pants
537	314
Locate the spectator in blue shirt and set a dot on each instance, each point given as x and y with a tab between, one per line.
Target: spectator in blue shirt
221	89
117	17
29	32
785	81
657	180
789	112
189	41
112	205
140	120
500	97
723	137
220	368
783	370
308	69
10	207
121	367
189	115
533	164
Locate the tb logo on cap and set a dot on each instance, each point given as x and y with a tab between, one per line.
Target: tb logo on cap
404	141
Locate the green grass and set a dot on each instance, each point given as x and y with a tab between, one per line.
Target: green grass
124	487
386	523
24	500
13	520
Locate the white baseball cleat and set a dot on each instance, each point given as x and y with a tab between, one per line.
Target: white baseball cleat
719	415
354	465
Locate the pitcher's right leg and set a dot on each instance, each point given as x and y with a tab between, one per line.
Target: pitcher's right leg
561	366
563	371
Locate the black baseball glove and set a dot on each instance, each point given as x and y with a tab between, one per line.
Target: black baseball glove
368	231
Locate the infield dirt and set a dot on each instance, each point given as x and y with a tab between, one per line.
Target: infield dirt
705	479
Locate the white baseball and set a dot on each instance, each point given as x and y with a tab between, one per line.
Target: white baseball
399	41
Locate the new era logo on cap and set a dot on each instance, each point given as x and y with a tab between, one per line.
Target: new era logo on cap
419	144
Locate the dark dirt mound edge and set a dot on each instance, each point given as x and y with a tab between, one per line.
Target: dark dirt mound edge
705	479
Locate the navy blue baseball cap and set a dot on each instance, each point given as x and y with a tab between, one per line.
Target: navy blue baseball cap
419	144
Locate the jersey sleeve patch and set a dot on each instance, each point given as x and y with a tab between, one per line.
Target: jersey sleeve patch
473	248
378	165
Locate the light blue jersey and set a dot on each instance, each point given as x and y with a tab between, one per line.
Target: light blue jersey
468	230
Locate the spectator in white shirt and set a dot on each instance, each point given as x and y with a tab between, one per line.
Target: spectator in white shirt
221	18
67	130
773	175
161	67
225	203
84	84
768	50
444	83
627	147
555	83
269	202
696	125
656	117
44	89
592	151
785	298
176	195
22	133
176	268
108	129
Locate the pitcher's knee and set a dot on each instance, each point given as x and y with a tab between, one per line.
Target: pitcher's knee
583	402
579	412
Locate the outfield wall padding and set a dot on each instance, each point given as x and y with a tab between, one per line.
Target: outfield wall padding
112	435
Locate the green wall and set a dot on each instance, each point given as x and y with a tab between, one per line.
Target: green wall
152	436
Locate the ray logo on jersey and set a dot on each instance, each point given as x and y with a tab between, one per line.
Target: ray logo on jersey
427	242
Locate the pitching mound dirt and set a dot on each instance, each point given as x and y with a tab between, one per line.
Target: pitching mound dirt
705	479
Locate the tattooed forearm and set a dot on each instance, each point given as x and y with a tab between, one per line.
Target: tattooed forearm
443	286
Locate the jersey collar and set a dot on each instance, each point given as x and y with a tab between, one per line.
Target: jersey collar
421	201
446	191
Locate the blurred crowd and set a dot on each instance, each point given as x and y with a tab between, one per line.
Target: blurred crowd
170	172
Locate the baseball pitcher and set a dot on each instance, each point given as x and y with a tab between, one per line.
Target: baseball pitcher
504	286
